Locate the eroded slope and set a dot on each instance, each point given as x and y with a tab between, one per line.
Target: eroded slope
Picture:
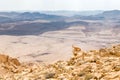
103	64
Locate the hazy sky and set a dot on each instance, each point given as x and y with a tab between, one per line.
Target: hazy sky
38	5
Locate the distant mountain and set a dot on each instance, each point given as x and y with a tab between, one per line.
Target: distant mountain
92	17
26	16
58	15
30	23
9	14
72	13
37	15
113	14
4	19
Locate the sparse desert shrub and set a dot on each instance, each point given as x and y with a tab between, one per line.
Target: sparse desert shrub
49	75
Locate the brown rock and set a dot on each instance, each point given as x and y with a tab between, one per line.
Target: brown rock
3	58
15	61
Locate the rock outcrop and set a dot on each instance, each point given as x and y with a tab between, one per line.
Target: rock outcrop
103	64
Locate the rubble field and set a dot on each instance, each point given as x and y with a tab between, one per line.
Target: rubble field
102	64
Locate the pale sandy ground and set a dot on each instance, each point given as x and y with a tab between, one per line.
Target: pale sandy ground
54	45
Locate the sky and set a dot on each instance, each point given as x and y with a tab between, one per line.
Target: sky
52	5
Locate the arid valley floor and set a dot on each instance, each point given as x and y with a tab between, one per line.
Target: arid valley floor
52	46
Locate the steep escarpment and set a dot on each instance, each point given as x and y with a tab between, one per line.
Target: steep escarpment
102	64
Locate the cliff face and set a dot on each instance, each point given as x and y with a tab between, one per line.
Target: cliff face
103	64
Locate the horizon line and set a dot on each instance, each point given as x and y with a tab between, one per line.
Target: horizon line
53	10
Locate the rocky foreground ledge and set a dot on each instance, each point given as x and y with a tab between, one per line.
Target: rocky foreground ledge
103	64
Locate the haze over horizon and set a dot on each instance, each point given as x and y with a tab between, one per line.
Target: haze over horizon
55	5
